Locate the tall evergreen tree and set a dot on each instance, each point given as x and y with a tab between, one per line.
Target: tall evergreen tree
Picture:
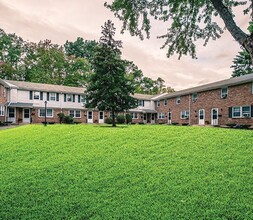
109	88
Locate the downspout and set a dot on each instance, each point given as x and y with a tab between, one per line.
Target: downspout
189	109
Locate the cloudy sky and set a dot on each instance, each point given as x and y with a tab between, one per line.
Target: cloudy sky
61	20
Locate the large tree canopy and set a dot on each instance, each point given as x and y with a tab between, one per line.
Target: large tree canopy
189	20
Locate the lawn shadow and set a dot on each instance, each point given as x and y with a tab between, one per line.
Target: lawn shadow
110	126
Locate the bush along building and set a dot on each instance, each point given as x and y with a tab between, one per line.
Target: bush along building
225	102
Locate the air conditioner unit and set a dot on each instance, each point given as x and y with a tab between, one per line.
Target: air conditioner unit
246	115
224	96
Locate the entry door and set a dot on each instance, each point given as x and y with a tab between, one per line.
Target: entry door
12	115
26	115
145	118
90	117
152	118
201	116
169	118
101	118
214	115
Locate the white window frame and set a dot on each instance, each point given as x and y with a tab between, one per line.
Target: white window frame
242	113
69	98
222	93
141	103
184	114
2	108
178	100
47	114
36	95
134	115
75	113
161	115
165	102
52	96
194	97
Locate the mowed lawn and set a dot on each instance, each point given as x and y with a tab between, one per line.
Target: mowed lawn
128	172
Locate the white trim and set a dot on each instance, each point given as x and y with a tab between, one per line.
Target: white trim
222	94
48	116
2	110
161	115
246	114
184	114
74	113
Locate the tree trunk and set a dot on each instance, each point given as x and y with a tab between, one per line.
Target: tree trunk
242	38
113	119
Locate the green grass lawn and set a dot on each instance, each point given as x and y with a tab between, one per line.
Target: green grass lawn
128	172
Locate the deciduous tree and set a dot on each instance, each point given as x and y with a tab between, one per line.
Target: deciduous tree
189	21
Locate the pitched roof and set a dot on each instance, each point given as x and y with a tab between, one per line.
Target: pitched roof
143	96
211	86
42	87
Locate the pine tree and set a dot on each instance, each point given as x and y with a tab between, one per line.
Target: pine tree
109	88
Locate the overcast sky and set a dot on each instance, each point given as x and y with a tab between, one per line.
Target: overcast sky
61	20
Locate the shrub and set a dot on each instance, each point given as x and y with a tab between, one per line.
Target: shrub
174	123
133	123
128	118
68	119
231	125
121	119
185	124
108	120
141	123
244	126
61	117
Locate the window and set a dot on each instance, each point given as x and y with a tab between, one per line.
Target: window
224	93
49	112
184	114
1	110
36	95
178	100
75	113
157	103
134	115
161	115
165	102
69	98
141	103
52	96
90	114
241	111
11	113
194	97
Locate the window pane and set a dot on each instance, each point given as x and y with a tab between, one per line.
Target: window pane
42	112
78	114
71	113
49	112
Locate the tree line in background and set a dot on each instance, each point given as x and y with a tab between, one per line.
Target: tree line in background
70	64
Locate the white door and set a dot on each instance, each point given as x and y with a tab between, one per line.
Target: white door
214	116
201	117
145	118
90	117
101	118
169	118
152	118
26	115
12	115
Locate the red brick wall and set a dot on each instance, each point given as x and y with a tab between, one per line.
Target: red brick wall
240	95
3	100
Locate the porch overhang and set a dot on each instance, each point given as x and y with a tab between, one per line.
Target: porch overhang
20	105
143	111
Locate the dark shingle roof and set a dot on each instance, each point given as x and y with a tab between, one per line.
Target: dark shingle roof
211	86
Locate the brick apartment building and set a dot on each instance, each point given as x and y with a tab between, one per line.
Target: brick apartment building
224	102
219	103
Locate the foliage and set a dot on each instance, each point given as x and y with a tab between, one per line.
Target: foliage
136	172
189	21
68	119
121	119
242	64
128	118
109	89
108	120
61	117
